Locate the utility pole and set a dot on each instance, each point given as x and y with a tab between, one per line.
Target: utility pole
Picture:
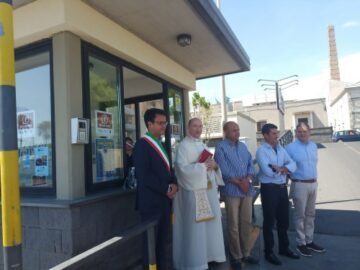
223	90
9	167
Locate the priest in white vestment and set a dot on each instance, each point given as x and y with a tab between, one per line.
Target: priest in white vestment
197	230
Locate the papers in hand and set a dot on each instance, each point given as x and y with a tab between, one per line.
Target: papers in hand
205	154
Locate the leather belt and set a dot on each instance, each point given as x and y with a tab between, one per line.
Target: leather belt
284	185
304	181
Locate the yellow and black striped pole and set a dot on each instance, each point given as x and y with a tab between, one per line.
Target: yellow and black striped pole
9	168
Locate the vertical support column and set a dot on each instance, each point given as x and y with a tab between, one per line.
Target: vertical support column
9	168
223	89
186	109
311	119
223	102
70	173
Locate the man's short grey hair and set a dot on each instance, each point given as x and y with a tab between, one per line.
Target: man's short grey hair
192	120
226	125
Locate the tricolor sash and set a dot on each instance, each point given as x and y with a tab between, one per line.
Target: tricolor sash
159	150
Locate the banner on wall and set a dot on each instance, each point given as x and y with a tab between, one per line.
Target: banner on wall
104	124
26	124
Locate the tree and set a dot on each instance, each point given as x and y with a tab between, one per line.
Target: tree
44	130
199	103
202	109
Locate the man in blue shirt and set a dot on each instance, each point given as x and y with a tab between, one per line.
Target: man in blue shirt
237	170
304	188
274	165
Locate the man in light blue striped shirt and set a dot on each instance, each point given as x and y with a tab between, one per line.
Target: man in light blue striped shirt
304	189
236	164
274	165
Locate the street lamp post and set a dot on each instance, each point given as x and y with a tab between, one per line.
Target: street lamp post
280	85
223	90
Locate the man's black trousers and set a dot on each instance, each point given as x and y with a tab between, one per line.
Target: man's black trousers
275	204
162	238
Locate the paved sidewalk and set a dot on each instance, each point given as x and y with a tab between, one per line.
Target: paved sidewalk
341	241
342	253
337	223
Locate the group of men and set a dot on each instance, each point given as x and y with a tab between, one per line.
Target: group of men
191	192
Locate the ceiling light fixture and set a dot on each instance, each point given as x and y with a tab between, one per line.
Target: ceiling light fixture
184	40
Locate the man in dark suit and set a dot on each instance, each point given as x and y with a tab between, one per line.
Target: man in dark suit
156	183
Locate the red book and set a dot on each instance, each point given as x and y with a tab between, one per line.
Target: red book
205	154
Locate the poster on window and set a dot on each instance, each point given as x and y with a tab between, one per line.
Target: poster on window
25	160
175	131
108	160
26	124
41	161
104	124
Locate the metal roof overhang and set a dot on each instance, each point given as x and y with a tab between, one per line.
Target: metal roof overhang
214	50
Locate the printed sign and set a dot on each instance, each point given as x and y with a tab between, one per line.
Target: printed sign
26	161
104	124
26	124
175	129
41	161
108	160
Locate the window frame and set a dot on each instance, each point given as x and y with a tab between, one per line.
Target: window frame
28	51
167	87
88	49
136	101
261	123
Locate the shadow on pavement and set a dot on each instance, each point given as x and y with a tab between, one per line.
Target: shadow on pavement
336	230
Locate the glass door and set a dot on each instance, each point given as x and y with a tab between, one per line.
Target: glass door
130	121
176	117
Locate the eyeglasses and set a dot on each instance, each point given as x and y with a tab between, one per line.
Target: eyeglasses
161	123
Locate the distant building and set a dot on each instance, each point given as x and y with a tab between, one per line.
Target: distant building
213	132
343	98
312	111
344	106
252	118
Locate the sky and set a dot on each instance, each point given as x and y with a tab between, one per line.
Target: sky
288	37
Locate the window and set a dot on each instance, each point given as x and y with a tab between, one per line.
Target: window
105	114
303	120
260	124
34	118
176	118
130	121
116	96
142	92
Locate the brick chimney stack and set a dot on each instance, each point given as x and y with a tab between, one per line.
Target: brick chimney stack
334	64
